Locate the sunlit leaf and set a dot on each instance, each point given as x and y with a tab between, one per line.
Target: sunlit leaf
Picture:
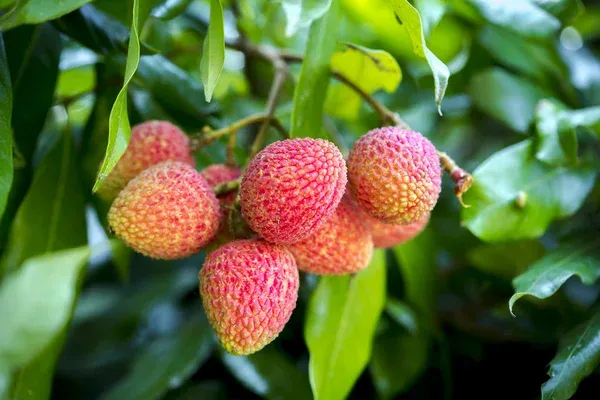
213	51
301	13
36	11
520	16
409	17
370	70
546	276
577	357
38	315
119	128
340	324
311	90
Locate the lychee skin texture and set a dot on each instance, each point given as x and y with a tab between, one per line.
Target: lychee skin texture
388	235
395	175
291	188
342	246
249	289
168	211
151	143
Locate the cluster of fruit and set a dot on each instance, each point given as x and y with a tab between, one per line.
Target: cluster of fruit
306	208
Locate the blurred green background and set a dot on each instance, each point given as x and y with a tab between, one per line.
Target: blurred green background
82	317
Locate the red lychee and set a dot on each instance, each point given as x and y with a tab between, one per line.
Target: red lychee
151	143
343	245
291	188
249	289
390	235
220	173
168	211
395	175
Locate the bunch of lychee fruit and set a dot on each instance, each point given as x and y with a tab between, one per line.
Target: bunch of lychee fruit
306	208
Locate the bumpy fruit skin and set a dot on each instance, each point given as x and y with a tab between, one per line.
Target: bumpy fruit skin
151	143
343	245
291	188
249	289
168	211
388	235
395	175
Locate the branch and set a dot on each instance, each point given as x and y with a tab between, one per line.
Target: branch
462	179
207	135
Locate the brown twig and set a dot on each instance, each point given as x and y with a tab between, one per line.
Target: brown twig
230	157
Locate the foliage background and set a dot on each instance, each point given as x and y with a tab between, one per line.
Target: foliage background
83	317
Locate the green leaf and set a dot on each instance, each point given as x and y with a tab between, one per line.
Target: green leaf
520	16
37	11
506	97
206	390
577	357
311	90
431	12
534	58
558	140
38	314
33	56
398	361
301	13
506	260
402	314
556	130
166	363
75	82
515	196
173	88
6	154
213	50
399	357
169	9
546	276
52	215
409	17
370	70
565	10
119	128
269	373
340	325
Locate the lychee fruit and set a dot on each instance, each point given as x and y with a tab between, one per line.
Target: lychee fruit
291	188
395	175
249	289
217	174
343	245
390	235
168	211
151	143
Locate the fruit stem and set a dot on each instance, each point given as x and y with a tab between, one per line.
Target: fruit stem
227	187
462	179
230	156
281	74
207	135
